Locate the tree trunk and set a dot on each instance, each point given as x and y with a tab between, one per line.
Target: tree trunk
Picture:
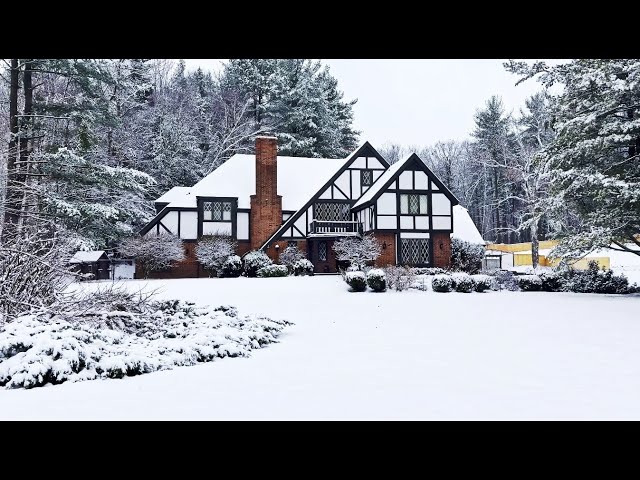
25	129
535	256
12	196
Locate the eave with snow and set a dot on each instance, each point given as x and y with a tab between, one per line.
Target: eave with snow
265	201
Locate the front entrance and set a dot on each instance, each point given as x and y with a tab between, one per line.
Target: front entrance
320	253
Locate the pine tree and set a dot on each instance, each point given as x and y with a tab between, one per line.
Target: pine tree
596	150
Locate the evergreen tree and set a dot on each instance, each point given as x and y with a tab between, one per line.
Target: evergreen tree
596	150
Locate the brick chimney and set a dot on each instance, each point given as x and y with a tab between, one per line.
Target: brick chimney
266	204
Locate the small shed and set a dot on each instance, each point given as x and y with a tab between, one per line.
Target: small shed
95	264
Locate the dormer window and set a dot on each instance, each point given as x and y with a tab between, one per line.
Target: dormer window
366	178
216	211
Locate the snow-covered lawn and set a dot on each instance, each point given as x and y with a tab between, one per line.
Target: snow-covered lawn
408	355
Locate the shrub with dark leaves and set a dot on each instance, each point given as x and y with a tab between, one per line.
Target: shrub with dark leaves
376	280
529	283
442	283
356	280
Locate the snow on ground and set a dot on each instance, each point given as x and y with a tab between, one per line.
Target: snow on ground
407	355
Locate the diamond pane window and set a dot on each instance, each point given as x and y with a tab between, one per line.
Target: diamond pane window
322	251
414	251
366	176
404	204
207	210
216	211
226	211
414	205
332	211
423	204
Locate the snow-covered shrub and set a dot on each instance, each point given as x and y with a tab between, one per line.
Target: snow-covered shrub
399	278
442	283
504	280
356	280
428	271
593	280
232	267
466	256
376	280
551	281
254	261
529	283
482	282
290	256
213	251
154	252
462	282
88	343
357	251
273	271
303	267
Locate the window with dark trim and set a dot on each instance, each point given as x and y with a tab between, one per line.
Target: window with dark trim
322	251
216	211
366	178
413	204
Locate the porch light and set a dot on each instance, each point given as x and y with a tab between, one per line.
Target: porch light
277	247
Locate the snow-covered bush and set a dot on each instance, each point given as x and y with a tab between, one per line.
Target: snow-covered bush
428	271
462	282
290	256
399	278
357	251
466	256
504	280
88	343
33	271
376	280
482	282
593	280
551	281
273	271
153	252
232	267
356	280
213	251
254	261
529	283
303	267
442	283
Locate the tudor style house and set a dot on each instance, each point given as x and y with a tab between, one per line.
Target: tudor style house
268	202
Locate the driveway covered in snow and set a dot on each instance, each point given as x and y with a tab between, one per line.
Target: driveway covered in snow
407	355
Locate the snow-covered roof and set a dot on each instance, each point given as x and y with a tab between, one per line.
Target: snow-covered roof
380	182
174	194
87	257
463	226
298	179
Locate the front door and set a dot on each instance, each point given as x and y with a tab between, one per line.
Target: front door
322	256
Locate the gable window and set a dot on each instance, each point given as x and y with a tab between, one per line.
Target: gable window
332	211
366	178
413	204
216	211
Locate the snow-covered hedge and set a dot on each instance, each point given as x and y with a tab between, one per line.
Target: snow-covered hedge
303	267
462	282
594	280
482	282
529	283
356	280
376	280
428	271
42	348
442	283
254	261
273	271
551	281
504	280
290	256
232	267
212	252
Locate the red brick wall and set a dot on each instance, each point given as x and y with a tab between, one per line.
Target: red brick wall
441	250
282	244
266	204
243	247
388	256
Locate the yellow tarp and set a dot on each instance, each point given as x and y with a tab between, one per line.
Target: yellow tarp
520	247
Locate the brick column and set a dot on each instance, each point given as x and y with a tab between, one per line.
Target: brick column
441	250
266	204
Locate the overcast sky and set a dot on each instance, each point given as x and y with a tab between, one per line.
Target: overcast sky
418	102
